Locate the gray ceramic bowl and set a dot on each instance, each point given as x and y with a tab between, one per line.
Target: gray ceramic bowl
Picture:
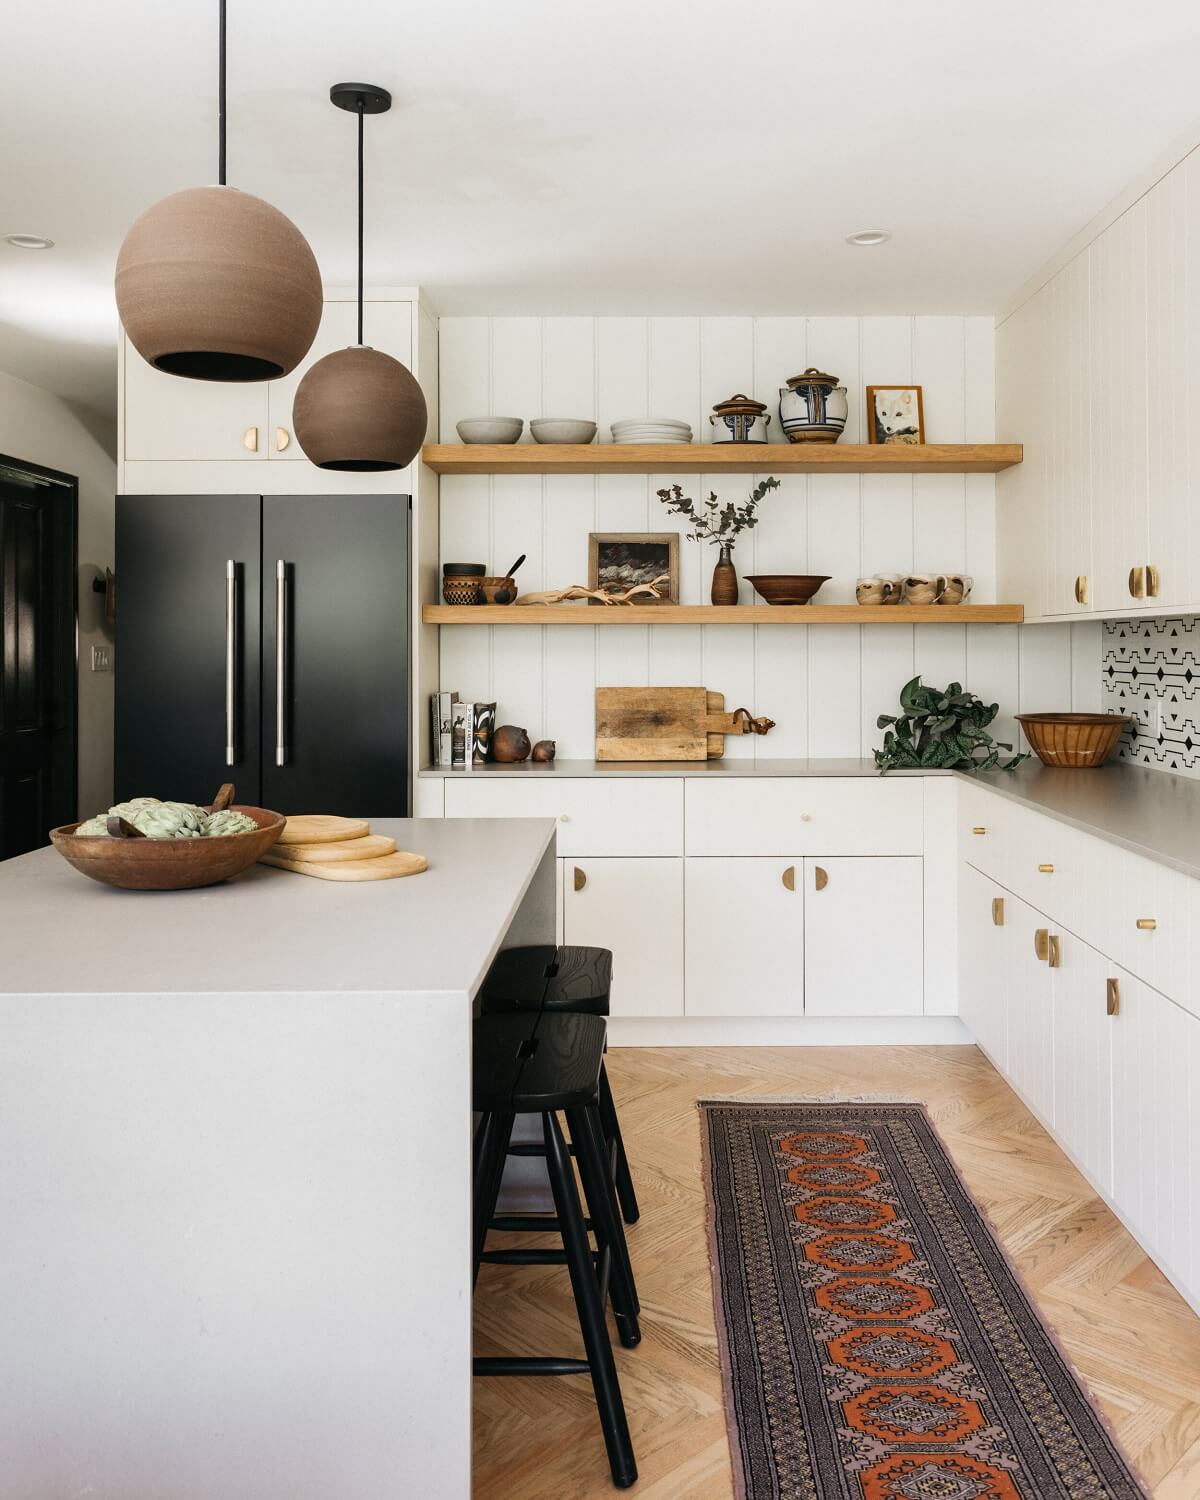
561	430
490	429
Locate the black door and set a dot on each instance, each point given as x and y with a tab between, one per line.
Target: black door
188	635
37	654
335	570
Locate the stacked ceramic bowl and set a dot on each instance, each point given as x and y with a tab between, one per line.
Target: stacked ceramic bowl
651	430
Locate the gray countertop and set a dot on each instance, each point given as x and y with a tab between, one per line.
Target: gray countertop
1152	813
718	769
274	931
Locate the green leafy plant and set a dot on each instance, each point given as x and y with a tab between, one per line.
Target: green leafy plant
714	522
941	730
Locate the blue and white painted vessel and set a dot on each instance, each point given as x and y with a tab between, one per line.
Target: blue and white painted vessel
813	408
741	419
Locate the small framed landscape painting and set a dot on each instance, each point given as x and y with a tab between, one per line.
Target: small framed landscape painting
895	414
622	560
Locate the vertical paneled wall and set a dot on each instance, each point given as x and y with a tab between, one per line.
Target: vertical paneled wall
823	685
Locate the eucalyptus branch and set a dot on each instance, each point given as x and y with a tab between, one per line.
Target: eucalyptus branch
714	522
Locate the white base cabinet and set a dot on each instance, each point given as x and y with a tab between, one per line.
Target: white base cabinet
1107	1062
634	907
863	946
763	899
744	937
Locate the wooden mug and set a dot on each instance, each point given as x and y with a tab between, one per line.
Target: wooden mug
924	588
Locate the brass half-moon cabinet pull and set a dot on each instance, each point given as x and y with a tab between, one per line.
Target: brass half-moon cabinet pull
789	878
580	879
820	878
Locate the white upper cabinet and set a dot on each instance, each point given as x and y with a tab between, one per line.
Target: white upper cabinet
170	419
1094	374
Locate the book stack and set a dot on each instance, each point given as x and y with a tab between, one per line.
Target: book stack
460	733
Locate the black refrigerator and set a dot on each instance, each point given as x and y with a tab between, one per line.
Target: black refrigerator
264	640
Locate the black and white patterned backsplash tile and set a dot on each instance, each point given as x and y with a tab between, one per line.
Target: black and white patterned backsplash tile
1151	669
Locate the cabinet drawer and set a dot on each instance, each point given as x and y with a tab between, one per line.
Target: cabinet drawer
596	817
983	828
805	815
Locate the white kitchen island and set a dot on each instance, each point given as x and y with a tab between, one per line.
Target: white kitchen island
235	1173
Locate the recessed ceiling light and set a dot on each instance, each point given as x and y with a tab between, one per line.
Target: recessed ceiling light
868	237
28	242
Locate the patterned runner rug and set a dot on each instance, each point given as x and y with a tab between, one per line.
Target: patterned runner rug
876	1343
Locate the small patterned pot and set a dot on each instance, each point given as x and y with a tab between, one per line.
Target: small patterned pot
741	419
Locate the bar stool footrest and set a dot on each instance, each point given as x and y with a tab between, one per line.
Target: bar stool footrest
529	1365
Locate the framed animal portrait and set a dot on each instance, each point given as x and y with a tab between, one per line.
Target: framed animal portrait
622	560
895	414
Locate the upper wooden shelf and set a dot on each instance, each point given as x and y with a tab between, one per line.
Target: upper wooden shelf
711	458
723	614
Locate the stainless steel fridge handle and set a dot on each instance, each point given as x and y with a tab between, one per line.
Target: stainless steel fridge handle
230	661
280	660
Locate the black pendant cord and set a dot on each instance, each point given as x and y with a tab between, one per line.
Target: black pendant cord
361	118
221	98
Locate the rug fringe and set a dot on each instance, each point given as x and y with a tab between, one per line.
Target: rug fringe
785	1099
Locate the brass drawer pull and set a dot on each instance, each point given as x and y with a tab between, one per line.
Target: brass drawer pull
580	879
1137	583
250	439
789	878
1146	924
820	878
1041	943
1045	869
979	830
283	439
1082	589
997	911
1151	581
1054	955
1113	998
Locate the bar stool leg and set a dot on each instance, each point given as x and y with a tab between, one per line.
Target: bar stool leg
491	1151
591	1312
612	1131
588	1140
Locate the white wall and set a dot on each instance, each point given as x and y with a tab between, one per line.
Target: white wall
43	429
823	685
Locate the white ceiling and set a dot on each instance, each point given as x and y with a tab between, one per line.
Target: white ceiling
547	156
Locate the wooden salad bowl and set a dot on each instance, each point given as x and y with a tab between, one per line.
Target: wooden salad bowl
134	863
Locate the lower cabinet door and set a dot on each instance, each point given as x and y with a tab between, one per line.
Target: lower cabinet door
744	937
1156	1126
634	907
983	910
863	937
1082	1053
1030	1005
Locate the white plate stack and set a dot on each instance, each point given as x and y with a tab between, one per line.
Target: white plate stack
651	430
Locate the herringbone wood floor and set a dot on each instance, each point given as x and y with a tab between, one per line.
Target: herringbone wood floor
1130	1334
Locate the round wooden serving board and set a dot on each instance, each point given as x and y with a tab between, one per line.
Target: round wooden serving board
370	846
385	867
322	828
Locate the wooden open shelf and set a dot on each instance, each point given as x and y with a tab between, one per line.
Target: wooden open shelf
731	614
713	458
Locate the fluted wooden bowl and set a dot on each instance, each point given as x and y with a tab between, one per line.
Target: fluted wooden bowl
787	588
1080	741
141	864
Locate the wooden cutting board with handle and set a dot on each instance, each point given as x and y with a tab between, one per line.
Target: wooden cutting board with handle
666	723
384	867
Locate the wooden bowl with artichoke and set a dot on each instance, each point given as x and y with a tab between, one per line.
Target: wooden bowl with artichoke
148	845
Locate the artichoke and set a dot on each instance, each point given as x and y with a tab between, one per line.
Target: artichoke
169	820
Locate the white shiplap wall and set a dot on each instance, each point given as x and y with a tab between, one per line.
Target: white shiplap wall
823	685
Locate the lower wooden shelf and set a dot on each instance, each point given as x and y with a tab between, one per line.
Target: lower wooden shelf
731	614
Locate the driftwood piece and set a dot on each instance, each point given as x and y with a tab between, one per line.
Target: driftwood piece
578	591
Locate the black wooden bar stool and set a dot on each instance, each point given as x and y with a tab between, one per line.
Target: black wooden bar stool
540	1065
574	980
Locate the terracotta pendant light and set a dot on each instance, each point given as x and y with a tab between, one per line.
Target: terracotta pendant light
358	409
214	284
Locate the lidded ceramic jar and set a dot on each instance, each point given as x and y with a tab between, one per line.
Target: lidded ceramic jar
813	408
741	419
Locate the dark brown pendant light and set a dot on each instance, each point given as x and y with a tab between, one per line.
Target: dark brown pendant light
214	284
358	409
